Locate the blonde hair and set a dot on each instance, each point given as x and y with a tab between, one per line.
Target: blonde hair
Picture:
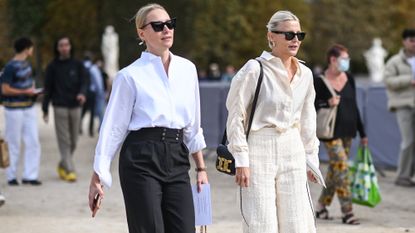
276	19
141	15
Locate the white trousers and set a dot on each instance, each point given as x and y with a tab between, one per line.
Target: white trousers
277	200
21	126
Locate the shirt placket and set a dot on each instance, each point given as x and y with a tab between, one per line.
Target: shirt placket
166	78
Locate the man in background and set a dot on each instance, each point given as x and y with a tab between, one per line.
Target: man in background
18	95
66	87
399	79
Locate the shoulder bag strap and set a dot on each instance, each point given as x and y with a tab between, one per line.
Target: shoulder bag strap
332	92
254	103
251	117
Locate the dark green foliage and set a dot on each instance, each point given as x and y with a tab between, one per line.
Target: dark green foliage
226	32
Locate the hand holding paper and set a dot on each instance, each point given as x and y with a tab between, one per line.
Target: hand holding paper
316	172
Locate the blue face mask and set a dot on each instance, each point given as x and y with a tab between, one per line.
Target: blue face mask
343	64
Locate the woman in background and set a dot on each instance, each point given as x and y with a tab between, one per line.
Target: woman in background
347	123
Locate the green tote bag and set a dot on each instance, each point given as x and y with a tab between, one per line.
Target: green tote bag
364	183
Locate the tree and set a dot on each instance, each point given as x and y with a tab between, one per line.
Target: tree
26	18
5	42
354	23
76	19
231	32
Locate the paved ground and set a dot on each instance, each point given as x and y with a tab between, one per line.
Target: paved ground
57	206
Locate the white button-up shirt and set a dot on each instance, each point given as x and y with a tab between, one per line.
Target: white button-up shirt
143	95
281	104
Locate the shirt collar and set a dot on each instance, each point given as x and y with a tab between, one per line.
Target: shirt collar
151	57
268	57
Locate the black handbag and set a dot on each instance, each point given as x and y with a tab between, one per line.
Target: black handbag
225	162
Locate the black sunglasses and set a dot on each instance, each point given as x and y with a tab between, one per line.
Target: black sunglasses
158	26
291	35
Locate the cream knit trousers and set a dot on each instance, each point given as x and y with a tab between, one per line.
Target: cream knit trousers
277	200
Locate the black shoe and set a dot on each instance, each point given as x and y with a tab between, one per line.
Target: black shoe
13	182
32	182
404	182
2	200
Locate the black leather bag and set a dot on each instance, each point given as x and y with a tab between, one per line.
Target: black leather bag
225	162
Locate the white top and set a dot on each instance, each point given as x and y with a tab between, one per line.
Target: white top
143	95
281	105
411	61
96	80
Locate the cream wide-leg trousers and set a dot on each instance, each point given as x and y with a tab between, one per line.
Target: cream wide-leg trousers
277	200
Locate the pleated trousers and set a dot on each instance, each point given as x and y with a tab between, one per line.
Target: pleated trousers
153	168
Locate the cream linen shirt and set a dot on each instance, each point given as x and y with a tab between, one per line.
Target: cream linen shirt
143	95
281	105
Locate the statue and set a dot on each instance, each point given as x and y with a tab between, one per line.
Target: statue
110	51
375	60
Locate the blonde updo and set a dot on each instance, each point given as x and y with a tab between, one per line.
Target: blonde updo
276	19
141	15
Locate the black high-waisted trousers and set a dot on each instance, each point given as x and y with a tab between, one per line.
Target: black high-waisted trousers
153	168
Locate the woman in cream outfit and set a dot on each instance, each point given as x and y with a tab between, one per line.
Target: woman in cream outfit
271	165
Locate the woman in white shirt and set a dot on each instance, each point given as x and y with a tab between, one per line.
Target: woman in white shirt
271	165
154	112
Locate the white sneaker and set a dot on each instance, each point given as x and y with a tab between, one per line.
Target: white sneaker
2	199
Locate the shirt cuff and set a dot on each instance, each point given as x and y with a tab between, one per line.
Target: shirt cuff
241	160
197	143
313	158
102	168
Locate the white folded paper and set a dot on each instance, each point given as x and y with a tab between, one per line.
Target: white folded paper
316	172
203	206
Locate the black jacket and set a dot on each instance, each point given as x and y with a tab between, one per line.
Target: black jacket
64	80
348	119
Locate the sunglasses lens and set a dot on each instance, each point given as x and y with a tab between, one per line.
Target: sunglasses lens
171	24
157	26
289	35
301	36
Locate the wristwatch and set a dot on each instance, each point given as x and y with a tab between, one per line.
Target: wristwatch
200	169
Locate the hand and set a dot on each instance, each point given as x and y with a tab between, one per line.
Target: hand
81	99
334	101
45	118
413	83
95	188
201	178
30	91
364	141
311	177
242	176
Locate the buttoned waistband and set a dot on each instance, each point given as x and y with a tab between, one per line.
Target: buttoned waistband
157	134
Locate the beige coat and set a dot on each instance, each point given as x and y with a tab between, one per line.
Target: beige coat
398	78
